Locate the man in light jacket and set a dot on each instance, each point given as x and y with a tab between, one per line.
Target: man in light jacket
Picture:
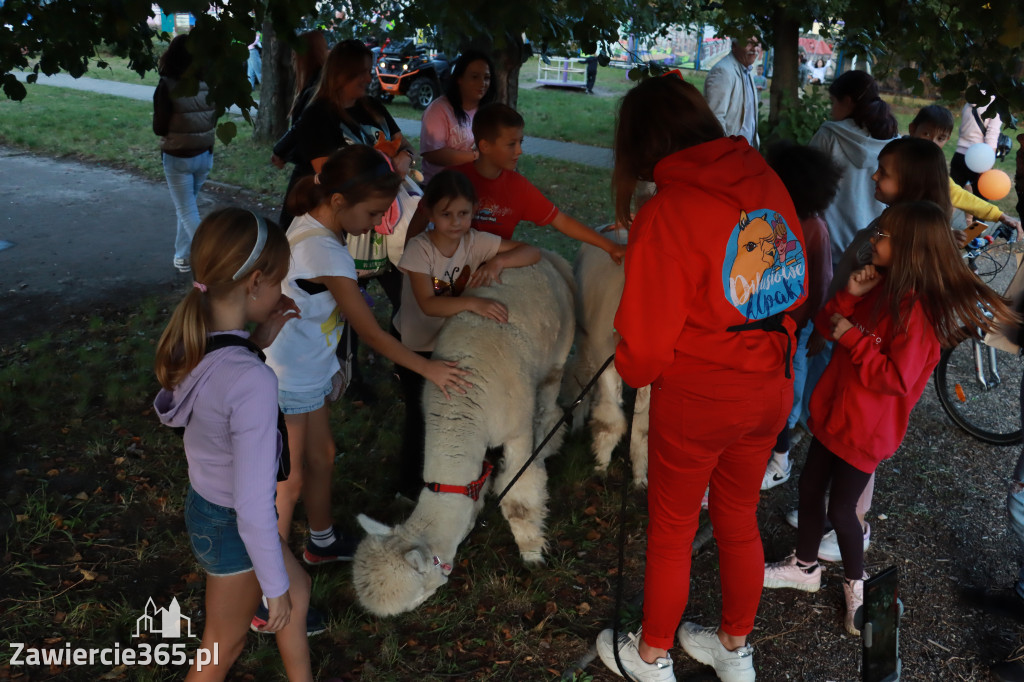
730	91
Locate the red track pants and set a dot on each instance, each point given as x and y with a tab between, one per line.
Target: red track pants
717	429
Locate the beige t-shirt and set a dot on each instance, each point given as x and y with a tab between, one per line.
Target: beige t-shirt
449	276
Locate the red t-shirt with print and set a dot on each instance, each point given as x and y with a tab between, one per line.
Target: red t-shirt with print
505	201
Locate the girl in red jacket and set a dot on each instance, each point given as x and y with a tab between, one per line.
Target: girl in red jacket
888	323
715	260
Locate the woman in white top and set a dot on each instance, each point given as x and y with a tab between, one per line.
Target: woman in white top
971	133
446	134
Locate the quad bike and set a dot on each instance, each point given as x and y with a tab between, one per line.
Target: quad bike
405	68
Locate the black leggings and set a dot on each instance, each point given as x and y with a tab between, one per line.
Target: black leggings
825	472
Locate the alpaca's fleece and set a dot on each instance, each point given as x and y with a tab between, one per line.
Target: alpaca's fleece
599	283
516	370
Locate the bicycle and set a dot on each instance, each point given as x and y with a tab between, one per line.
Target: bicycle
975	381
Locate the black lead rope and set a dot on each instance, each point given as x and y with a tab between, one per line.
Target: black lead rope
565	416
624	490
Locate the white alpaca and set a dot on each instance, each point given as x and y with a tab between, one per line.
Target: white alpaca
599	283
516	373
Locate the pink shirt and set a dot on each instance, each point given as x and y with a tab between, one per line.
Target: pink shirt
440	129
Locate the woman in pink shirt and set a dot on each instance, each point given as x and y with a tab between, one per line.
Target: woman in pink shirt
446	135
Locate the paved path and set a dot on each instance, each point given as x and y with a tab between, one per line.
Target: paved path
576	153
76	236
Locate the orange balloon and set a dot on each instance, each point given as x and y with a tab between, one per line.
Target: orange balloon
994	184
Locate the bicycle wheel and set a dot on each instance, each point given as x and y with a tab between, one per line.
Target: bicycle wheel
987	409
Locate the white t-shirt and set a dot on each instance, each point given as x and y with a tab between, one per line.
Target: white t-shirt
440	129
450	275
302	355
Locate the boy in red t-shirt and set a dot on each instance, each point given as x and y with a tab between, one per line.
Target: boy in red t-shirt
505	196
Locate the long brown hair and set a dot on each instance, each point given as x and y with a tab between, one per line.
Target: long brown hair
658	117
346	61
308	61
356	172
221	246
921	171
927	267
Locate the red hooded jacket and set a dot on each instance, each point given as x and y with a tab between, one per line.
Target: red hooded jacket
719	245
862	403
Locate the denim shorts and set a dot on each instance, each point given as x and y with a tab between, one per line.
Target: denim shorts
213	535
301	402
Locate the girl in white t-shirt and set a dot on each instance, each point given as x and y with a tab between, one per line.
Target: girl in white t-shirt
441	263
349	196
446	132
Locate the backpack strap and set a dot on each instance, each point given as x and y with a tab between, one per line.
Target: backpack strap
984	128
215	343
774	323
311	288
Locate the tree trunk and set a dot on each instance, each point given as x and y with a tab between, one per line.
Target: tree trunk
277	83
785	79
507	64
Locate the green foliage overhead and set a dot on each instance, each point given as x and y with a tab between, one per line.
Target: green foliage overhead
48	37
964	49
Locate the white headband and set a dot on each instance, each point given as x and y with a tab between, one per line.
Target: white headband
257	249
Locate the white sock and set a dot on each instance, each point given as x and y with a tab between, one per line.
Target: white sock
782	459
322	538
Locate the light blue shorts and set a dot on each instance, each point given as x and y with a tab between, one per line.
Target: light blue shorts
213	535
301	402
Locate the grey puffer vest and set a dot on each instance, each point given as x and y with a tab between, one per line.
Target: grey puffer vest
192	123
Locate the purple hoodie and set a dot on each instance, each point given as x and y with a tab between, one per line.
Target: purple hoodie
228	407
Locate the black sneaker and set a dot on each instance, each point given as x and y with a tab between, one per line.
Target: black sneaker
315	621
342	549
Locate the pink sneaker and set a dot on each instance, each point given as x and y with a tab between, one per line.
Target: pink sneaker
787	573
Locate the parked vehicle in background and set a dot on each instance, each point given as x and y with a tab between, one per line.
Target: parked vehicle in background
406	68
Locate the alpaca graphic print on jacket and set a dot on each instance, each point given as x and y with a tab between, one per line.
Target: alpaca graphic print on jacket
763	271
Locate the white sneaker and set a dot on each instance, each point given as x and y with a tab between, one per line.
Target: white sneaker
793	517
775	475
703	645
854	592
636	668
787	573
829	548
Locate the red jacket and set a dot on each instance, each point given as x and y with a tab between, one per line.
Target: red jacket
719	245
861	406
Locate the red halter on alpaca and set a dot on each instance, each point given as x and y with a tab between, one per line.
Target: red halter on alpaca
471	491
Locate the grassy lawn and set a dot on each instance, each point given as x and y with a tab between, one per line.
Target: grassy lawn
124	139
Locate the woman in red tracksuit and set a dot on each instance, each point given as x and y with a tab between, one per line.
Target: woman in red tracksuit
714	261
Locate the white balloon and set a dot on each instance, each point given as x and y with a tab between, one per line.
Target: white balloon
980	157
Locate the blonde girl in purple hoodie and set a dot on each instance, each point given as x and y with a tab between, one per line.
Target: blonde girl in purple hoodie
217	387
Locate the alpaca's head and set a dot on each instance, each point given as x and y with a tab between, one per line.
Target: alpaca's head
392	574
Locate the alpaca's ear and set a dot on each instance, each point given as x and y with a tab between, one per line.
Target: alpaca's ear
374	527
418	560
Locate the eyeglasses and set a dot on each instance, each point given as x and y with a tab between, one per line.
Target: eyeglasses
878	234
